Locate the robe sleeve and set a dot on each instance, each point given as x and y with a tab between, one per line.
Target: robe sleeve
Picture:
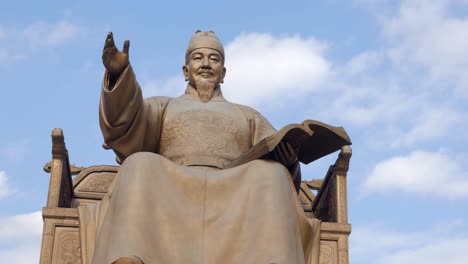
260	128
129	123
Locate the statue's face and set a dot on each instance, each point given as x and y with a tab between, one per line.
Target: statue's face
204	63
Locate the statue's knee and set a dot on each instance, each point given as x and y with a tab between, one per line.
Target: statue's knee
270	171
267	166
141	158
139	168
139	164
128	260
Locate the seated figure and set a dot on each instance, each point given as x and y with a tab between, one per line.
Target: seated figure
173	199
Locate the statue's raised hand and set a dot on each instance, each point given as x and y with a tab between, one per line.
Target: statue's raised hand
114	60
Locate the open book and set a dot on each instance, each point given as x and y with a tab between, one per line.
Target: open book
311	140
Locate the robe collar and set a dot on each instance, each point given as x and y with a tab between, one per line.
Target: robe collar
193	93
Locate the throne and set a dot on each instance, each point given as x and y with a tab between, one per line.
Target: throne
70	186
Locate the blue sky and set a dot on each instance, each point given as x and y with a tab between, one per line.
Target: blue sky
393	73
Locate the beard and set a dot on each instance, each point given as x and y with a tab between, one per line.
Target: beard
205	88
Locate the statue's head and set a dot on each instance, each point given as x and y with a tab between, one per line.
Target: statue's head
204	63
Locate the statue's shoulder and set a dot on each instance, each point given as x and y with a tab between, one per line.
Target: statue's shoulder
249	112
160	101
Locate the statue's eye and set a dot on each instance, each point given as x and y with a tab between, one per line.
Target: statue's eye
197	57
214	58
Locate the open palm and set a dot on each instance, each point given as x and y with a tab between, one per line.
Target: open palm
114	60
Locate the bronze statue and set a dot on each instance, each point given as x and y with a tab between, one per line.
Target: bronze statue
173	200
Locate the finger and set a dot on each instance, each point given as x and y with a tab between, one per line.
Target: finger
108	45
110	38
284	152
281	154
295	171
126	46
288	153
110	35
109	41
290	148
283	147
275	155
291	152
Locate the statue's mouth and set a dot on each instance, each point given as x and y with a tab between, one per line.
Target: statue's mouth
205	73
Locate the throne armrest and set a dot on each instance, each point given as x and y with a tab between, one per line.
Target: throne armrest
60	220
330	204
60	186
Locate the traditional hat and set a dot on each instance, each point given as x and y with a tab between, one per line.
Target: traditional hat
204	39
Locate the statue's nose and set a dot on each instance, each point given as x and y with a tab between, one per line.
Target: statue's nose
206	61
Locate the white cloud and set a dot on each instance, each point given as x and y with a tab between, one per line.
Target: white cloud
431	174
393	115
405	93
22	227
363	62
172	86
18	43
16	151
3	33
21	254
20	238
418	122
7	56
5	188
373	3
432	123
364	100
450	251
377	244
427	33
50	34
262	67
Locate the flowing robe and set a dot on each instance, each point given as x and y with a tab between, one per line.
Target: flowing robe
171	202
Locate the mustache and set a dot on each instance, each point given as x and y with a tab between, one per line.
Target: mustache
208	70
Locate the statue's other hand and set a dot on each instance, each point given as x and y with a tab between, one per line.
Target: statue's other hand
114	60
285	154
